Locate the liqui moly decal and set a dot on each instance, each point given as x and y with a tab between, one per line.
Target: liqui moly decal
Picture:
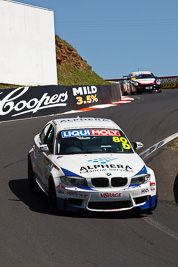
91	132
10	102
105	132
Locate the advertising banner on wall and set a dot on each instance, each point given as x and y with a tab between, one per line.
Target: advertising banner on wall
26	102
169	82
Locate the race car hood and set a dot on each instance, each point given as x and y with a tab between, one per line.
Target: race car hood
99	165
146	81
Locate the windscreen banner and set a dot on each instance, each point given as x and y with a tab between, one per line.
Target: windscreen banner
26	102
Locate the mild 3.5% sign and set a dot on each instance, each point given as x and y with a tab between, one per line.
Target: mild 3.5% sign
86	99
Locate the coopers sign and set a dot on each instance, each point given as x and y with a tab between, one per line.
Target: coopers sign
10	103
25	102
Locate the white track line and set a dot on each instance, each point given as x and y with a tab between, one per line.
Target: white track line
149	220
161	228
153	148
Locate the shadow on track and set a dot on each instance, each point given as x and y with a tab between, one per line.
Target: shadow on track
37	201
175	189
32	197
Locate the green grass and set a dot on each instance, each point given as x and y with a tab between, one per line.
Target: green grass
4	86
173	145
69	74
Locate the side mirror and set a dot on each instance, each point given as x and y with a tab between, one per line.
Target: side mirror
137	145
44	148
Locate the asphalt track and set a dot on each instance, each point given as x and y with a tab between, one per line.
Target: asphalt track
30	235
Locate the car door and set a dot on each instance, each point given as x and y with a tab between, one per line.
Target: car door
44	162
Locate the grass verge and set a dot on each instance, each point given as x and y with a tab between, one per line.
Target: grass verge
173	145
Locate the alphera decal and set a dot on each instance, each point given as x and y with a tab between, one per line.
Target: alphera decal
8	104
105	167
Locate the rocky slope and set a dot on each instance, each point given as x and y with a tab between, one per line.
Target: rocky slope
72	68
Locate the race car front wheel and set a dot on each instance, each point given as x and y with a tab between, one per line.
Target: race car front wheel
52	200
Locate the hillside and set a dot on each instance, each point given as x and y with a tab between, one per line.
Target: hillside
72	69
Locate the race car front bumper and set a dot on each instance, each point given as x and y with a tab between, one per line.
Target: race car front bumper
146	88
140	196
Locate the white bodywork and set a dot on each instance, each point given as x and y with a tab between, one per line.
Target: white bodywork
108	177
144	80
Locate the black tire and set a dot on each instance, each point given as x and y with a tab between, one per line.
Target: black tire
52	200
151	91
129	91
31	176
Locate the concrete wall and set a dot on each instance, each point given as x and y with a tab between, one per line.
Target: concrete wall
27	45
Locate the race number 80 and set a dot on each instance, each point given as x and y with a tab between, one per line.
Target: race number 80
123	140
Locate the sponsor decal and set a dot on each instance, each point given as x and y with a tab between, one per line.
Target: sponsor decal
103	160
10	102
110	195
87	100
59	157
106	167
113	210
123	140
131	186
83	120
85	94
74	194
91	132
84	90
170	80
169	85
152	186
104	132
145	190
60	186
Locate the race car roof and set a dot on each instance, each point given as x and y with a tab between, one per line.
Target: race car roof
136	73
84	122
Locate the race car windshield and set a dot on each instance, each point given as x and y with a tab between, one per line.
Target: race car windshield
87	141
145	76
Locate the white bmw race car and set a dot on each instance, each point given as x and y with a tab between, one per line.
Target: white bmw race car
88	163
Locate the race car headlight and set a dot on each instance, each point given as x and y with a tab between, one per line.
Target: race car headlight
135	83
74	181
141	179
158	82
